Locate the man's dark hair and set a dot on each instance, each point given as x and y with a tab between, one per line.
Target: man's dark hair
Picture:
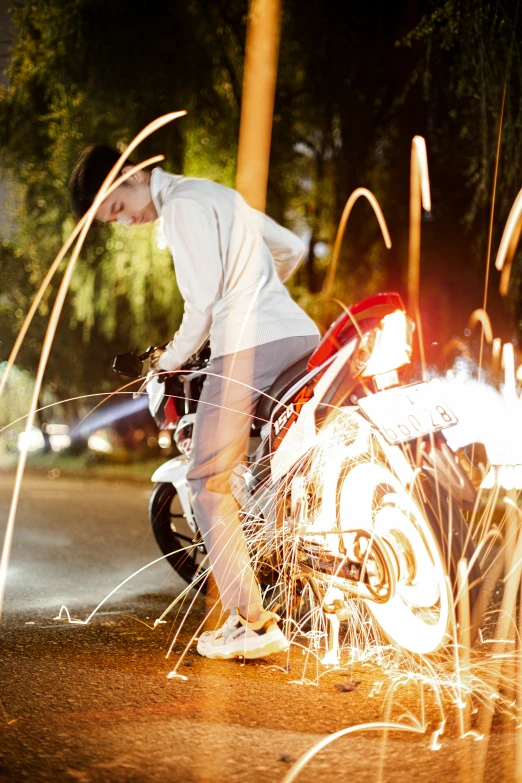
88	175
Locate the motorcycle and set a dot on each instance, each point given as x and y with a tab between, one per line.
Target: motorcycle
350	491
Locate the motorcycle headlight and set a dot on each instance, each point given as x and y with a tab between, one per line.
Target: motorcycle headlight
385	348
364	352
183	434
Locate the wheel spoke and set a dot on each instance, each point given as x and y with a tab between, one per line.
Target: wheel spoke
184	538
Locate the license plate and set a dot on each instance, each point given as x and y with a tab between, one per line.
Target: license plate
408	412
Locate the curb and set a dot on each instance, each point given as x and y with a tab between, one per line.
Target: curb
87	474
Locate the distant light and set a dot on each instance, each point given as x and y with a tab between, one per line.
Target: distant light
164	439
320	250
59	442
303	149
99	443
31	441
56	429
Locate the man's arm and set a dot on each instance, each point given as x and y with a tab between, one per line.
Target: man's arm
192	238
287	249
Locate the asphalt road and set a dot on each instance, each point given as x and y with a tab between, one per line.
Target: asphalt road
93	702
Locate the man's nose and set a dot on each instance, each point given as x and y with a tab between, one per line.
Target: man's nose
123	220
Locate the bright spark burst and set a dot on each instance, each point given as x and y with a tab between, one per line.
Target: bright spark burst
468	684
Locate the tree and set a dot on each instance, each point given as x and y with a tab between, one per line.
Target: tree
469	55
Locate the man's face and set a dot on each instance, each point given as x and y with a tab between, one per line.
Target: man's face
131	203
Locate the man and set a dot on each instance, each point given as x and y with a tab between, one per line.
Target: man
230	263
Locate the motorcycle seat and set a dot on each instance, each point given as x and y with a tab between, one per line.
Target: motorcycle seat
280	386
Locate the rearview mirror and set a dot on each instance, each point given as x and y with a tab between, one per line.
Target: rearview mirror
129	365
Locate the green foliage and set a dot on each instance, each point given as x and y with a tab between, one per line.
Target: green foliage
471	64
14	405
471	56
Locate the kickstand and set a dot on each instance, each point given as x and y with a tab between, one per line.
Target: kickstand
332	654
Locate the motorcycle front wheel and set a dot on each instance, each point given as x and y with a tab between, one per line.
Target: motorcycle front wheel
428	536
184	550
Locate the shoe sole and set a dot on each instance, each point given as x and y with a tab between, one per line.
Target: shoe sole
278	645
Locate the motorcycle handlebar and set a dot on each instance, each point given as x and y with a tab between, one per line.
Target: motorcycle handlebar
145	355
130	365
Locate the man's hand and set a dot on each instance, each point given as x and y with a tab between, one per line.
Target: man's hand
154	359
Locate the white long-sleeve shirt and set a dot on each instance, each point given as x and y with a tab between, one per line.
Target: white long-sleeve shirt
230	261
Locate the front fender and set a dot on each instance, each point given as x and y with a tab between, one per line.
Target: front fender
171	472
175	472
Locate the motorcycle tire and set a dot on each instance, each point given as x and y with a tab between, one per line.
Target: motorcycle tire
434	538
455	543
183	552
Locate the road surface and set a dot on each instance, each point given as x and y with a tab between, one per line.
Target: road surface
93	702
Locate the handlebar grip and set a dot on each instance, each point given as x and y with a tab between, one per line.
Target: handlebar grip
150	349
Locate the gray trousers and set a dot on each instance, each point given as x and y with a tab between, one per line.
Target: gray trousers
228	401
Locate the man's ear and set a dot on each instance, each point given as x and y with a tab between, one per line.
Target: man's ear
138	177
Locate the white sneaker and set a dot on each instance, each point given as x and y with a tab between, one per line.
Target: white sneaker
238	638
